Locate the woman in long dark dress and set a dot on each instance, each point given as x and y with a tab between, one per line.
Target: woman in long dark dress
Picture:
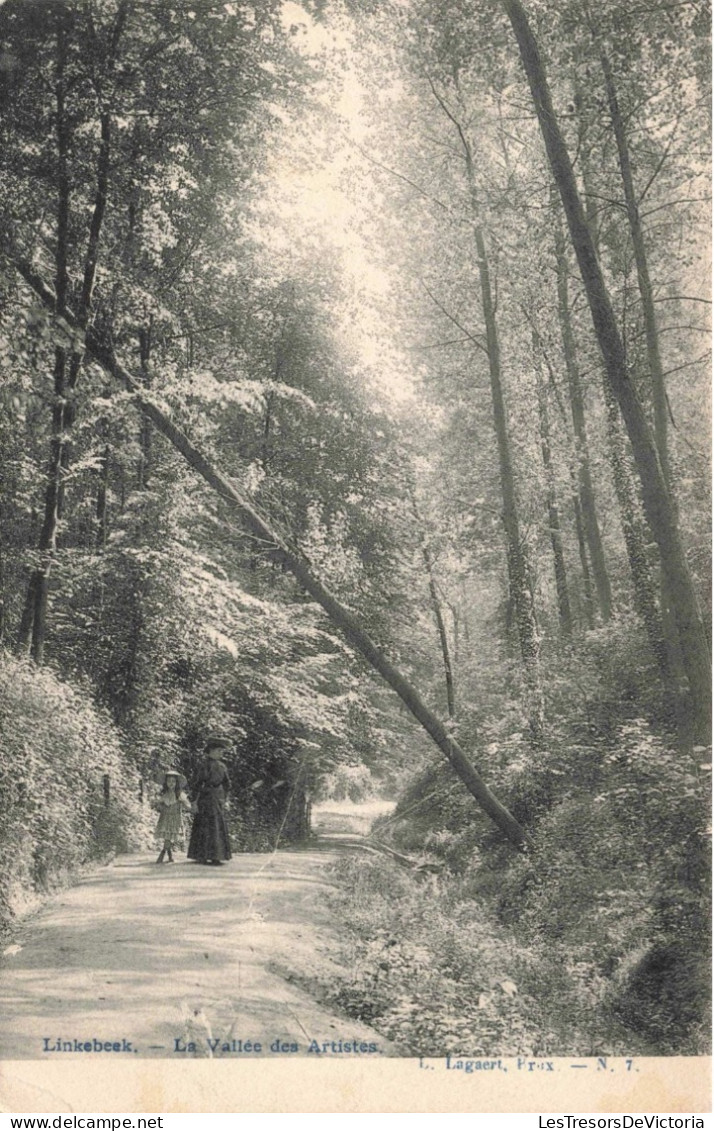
209	843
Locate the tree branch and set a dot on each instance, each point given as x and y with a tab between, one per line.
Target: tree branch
401	177
471	337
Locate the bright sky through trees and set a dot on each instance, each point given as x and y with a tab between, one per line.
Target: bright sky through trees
310	203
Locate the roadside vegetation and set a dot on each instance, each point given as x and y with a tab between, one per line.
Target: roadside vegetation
353	376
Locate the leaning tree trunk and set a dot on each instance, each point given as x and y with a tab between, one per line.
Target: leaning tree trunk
654	360
636	536
300	569
655	495
634	528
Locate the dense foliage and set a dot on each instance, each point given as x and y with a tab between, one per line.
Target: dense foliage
449	345
54	818
618	896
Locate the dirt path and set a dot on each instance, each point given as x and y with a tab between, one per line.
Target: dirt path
177	960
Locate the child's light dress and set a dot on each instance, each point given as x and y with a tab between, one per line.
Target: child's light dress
169	826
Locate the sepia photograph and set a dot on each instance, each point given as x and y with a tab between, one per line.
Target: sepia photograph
355	549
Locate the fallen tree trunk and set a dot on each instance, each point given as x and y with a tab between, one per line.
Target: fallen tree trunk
348	624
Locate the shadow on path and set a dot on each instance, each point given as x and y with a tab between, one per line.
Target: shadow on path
177	957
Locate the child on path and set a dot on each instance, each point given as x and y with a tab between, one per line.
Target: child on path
172	802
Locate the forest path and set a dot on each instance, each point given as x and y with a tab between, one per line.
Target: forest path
167	958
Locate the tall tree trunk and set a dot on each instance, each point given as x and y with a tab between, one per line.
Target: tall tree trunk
441	628
40	582
66	368
577	409
146	435
589	599
518	569
664	644
656	498
338	614
565	617
519	583
32	626
660	407
573	468
634	527
654	360
24	632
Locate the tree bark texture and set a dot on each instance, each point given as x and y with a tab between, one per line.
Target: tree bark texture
588	595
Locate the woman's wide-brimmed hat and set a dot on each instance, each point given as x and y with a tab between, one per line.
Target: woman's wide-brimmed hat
215	743
165	772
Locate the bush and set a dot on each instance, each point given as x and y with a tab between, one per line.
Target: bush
618	891
55	749
436	973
